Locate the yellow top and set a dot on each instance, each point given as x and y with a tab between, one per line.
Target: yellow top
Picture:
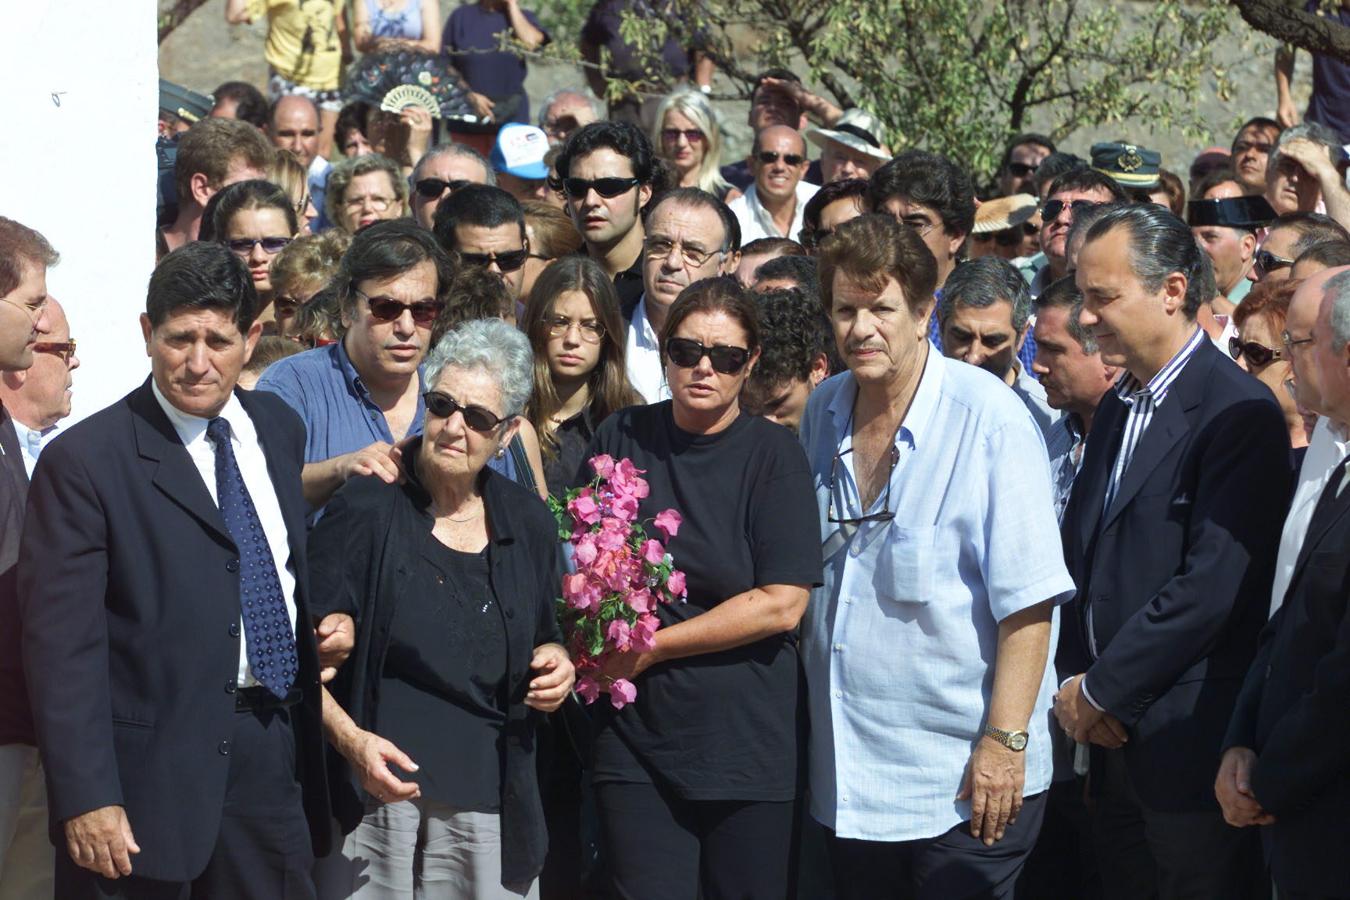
302	40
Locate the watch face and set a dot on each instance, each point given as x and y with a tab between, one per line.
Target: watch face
1018	741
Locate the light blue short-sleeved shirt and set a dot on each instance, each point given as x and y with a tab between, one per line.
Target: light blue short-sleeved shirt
899	643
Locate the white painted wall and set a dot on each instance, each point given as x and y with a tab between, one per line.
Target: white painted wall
78	102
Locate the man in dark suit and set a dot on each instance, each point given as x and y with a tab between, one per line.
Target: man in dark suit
1286	763
1170	533
167	642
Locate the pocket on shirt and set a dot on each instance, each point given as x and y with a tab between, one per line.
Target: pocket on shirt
904	565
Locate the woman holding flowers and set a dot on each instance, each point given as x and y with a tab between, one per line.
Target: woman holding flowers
449	578
698	777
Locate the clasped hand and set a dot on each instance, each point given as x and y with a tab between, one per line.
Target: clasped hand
1084	722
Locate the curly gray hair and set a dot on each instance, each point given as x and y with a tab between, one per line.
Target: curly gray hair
492	346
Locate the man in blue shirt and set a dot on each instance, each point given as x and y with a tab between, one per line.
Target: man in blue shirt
926	649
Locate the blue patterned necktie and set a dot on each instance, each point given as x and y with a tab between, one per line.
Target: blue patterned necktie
267	626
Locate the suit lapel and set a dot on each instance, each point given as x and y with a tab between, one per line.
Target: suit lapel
175	474
1104	442
1324	519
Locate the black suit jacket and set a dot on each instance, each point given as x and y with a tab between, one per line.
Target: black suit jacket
129	593
1177	574
1294	711
16	721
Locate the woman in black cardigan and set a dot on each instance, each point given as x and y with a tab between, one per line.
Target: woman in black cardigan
450	580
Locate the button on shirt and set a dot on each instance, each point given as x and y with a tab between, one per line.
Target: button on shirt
900	643
643	351
757	222
1326	449
253	465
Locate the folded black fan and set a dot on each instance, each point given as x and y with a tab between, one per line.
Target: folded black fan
376	74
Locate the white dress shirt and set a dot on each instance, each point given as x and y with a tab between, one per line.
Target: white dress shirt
253	465
643	355
31	443
1326	449
757	222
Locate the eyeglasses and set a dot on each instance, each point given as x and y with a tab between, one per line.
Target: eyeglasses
387	309
885	515
768	157
1022	170
1259	146
686	354
1052	208
560	127
507	262
920	225
270	245
1257	354
591	331
609	188
33	312
379	204
431	188
443	406
661	248
672	135
301	204
63	349
1267	262
1290	343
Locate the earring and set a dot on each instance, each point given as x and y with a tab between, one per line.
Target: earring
501	451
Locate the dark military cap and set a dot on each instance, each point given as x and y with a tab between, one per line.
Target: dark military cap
1248	213
184	103
1129	165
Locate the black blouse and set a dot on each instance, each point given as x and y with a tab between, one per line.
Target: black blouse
574	436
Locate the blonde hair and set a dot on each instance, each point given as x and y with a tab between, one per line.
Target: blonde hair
694	106
287	173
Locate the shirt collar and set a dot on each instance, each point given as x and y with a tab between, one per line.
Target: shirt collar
192	428
914	427
642	327
1128	388
353	377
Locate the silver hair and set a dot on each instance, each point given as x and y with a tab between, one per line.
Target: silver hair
492	346
450	148
1313	131
980	283
1337	290
580	93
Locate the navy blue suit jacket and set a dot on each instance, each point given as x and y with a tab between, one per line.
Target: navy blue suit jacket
1177	574
129	594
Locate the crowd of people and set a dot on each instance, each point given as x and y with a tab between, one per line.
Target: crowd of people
1013	515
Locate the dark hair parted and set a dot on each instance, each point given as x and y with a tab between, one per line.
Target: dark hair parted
246	195
695	197
1053	166
855	188
202	275
1332	254
1160	245
872	249
388	248
723	294
1259	121
610	390
21	248
1311	228
929	179
795	332
1086	178
980	283
476	204
624	138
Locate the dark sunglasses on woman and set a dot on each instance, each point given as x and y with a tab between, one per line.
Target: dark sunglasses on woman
443	406
726	360
244	246
387	309
1257	354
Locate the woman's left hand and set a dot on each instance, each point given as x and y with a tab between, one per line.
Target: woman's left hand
554	675
627	665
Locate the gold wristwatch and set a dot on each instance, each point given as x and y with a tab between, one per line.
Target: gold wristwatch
1015	741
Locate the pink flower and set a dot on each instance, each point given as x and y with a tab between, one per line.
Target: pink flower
588	688
640	601
584	509
617	635
668	521
603	465
626	480
585	550
653	552
622	693
675	584
613	535
625	508
581	592
640	634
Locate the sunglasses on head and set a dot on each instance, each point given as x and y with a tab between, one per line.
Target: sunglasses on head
1267	262
1257	354
244	246
686	354
431	188
1052	208
768	157
609	188
443	406
507	262
387	309
1022	170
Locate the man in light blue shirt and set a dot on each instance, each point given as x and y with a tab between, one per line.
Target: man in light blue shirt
926	649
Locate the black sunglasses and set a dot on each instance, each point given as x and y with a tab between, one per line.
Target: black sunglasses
431	188
885	515
1267	262
244	246
387	309
1257	354
443	406
608	188
726	360
1022	170
1052	208
507	262
768	157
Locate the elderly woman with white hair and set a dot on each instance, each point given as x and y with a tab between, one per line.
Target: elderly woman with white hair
449	579
688	136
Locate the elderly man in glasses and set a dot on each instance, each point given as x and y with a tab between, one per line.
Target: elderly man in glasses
40	397
926	649
774	205
362	395
440	172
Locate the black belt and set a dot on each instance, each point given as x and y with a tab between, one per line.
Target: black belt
260	699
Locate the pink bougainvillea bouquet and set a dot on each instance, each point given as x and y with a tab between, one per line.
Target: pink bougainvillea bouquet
608	602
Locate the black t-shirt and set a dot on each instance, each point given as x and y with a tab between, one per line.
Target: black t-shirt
574	436
728	725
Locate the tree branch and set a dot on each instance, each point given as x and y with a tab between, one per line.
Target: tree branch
175	15
1288	21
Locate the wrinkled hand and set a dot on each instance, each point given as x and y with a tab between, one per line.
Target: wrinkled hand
1312	156
101	841
1108	733
993	784
371	755
1233	788
553	680
336	635
481	105
1075	714
379	459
